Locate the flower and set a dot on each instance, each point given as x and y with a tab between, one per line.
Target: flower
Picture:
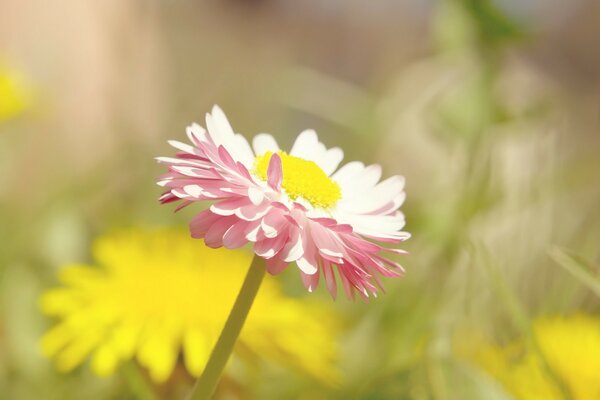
156	295
293	207
14	94
571	346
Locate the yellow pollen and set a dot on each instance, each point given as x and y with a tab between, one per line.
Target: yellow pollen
302	178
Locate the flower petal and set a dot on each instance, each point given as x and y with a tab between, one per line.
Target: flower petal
276	265
263	142
275	172
293	250
306	145
331	160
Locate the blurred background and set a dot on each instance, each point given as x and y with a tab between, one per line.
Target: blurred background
489	108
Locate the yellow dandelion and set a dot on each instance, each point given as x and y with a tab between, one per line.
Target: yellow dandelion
571	345
156	295
14	94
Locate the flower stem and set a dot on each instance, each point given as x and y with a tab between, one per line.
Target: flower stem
207	383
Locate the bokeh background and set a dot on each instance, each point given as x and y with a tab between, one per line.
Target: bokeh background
489	108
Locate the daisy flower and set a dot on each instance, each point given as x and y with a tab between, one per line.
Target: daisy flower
292	207
160	299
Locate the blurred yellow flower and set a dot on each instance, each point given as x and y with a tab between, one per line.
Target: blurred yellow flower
14	94
158	294
571	346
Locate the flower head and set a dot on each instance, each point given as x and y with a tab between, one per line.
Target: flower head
293	207
156	295
571	346
14	94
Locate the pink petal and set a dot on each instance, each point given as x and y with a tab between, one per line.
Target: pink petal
275	172
293	250
307	266
252	230
310	281
329	279
325	242
214	235
251	212
229	206
202	222
273	223
235	236
269	247
276	265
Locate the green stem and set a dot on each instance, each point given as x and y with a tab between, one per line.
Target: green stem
140	387
207	383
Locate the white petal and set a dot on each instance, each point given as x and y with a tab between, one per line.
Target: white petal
256	195
193	190
366	201
252	235
222	134
306	266
360	182
192	171
215	209
308	147
331	253
221	121
293	251
178	161
263	142
179	193
240	151
330	161
195	133
348	172
372	225
268	230
219	128
305	144
186	148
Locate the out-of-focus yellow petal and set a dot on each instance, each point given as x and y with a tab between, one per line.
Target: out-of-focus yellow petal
196	349
79	275
571	346
15	95
55	339
75	352
105	360
157	294
58	302
158	353
125	338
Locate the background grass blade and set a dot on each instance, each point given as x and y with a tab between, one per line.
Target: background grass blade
579	268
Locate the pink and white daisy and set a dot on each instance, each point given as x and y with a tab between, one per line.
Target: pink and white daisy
293	207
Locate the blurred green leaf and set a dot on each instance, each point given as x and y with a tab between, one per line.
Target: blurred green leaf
466	23
493	24
468	109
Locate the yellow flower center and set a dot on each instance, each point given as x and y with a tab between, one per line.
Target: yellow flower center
302	178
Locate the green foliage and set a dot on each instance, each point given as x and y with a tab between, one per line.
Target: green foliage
494	27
